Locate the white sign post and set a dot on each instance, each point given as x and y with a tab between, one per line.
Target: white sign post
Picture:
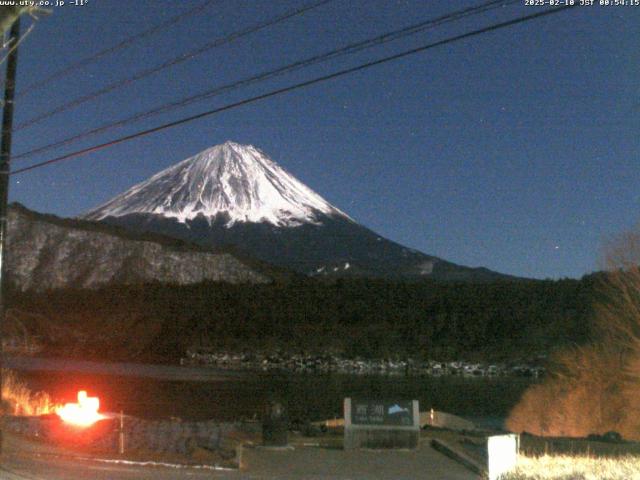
503	454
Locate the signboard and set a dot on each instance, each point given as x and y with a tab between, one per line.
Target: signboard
368	412
381	423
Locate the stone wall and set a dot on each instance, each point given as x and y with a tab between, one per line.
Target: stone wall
140	436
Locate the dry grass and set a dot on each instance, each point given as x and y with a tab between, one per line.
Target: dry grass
18	399
566	467
594	388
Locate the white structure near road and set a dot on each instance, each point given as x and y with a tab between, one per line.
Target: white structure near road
502	454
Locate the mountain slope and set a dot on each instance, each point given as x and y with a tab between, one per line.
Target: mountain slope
46	252
236	180
234	194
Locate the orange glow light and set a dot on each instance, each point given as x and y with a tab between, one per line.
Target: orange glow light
82	414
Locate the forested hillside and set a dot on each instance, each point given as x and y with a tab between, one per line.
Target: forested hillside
493	321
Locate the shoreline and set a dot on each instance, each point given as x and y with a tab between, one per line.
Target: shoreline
308	363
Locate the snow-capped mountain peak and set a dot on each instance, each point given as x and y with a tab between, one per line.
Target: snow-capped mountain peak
230	179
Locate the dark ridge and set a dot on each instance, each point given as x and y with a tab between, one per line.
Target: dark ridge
307	248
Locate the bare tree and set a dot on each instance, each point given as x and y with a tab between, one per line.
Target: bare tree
595	388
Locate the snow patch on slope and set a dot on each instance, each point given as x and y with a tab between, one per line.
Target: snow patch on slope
239	181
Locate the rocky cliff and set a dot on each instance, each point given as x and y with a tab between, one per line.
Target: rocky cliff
47	252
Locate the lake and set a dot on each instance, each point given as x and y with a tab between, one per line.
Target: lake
306	396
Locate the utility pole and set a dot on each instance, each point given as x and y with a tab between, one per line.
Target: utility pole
5	164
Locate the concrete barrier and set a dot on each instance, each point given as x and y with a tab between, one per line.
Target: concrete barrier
435	418
456	453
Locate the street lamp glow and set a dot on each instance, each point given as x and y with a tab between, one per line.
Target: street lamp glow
81	414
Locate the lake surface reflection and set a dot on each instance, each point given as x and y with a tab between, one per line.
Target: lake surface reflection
312	397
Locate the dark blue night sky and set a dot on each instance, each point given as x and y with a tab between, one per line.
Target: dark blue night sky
517	150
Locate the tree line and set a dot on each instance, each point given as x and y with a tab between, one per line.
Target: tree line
353	317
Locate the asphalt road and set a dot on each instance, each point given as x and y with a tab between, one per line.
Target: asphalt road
299	463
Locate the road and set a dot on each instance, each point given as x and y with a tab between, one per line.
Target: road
257	464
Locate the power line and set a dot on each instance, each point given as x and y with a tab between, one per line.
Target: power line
127	42
315	59
296	86
169	63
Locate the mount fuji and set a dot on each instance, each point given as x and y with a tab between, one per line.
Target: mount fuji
234	194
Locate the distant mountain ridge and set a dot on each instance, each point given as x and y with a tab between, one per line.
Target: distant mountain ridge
234	194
